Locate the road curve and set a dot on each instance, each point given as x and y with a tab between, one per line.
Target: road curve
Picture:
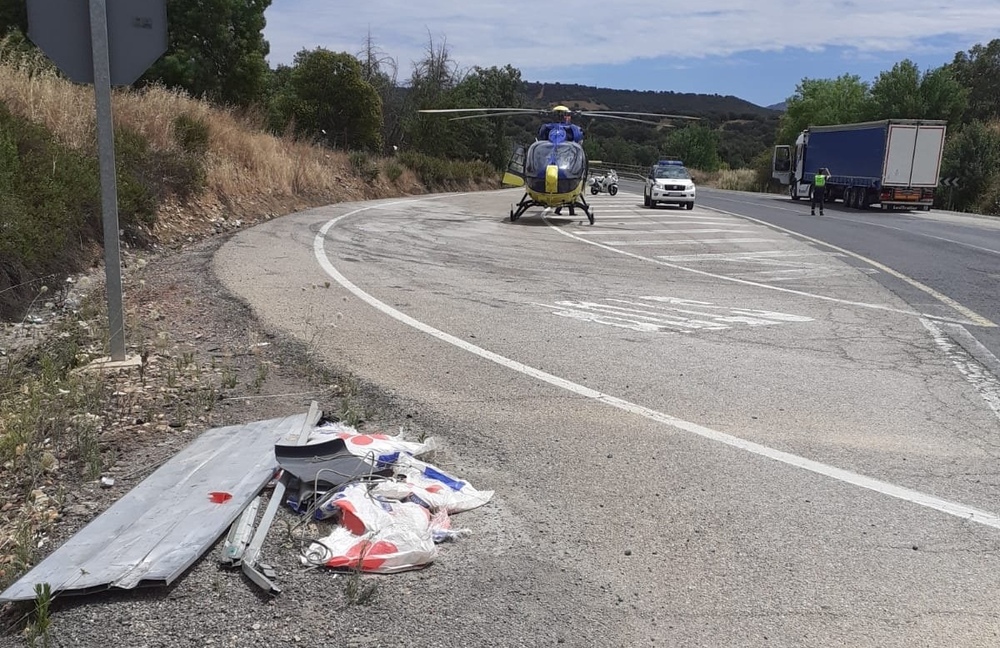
701	430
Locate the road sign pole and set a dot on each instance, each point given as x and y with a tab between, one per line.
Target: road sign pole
109	180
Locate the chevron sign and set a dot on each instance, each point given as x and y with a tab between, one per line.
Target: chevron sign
949	182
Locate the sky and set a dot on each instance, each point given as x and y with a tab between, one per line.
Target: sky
758	51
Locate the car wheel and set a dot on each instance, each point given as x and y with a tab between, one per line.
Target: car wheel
689	205
645	199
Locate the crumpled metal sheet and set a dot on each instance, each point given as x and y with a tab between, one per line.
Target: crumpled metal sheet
164	524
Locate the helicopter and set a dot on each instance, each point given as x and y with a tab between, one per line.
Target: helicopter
553	170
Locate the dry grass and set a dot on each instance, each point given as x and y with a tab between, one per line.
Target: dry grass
250	174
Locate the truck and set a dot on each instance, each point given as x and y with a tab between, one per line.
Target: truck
892	163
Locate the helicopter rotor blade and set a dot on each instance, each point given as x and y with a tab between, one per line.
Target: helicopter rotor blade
514	111
484	116
633	119
610	113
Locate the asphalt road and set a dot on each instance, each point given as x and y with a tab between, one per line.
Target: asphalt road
704	428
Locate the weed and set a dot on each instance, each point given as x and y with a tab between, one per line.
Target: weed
260	377
88	449
229	378
39	627
356	590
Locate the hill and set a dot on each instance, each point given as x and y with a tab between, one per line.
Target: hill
588	97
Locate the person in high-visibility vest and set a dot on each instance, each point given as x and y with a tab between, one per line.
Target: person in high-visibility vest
819	190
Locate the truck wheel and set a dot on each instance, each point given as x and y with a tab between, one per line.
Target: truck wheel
793	192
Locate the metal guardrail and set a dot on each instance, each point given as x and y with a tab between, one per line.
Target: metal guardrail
632	171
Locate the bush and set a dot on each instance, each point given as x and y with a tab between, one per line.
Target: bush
50	210
191	135
364	166
393	171
436	173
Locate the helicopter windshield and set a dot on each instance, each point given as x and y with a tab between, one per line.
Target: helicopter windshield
568	157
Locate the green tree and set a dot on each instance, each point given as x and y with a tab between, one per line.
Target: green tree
904	93
380	71
818	102
895	94
944	96
698	146
972	154
978	70
327	99
216	50
487	139
431	82
13	15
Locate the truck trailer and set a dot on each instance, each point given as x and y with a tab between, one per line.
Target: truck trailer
893	163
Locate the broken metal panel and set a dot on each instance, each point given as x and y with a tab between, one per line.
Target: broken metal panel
239	534
163	525
256	572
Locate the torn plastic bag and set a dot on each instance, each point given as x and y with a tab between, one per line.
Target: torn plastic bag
378	448
431	487
392	550
374	534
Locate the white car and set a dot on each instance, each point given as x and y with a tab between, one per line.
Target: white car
669	182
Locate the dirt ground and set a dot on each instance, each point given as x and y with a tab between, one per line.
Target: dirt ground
206	363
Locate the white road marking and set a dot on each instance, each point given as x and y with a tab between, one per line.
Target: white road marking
642	215
721	230
979	376
658	314
976	319
743	256
969	513
669	231
689	242
869	223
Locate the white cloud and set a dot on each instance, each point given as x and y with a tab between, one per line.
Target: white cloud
533	36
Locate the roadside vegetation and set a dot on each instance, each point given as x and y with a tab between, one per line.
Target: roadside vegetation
201	150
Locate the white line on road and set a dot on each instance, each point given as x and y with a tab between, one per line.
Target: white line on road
977	319
689	242
976	373
956	509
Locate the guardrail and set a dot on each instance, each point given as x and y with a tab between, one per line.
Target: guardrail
632	171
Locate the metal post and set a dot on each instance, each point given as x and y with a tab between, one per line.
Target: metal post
109	180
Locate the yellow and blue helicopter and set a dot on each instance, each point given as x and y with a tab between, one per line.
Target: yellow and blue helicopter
553	170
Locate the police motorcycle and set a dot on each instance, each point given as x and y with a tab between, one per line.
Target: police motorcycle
607	182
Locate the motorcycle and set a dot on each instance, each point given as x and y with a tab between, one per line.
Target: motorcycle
607	182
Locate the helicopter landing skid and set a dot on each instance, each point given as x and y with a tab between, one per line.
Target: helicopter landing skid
526	203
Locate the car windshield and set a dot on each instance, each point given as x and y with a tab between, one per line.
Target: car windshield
672	172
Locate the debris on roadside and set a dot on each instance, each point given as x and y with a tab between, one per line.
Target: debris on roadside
388	518
385	509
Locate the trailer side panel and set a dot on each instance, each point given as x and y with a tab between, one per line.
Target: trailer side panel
853	156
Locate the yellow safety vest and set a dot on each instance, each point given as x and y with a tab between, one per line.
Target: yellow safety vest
820	180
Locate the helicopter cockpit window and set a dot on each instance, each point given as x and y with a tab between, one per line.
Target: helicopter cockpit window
569	159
